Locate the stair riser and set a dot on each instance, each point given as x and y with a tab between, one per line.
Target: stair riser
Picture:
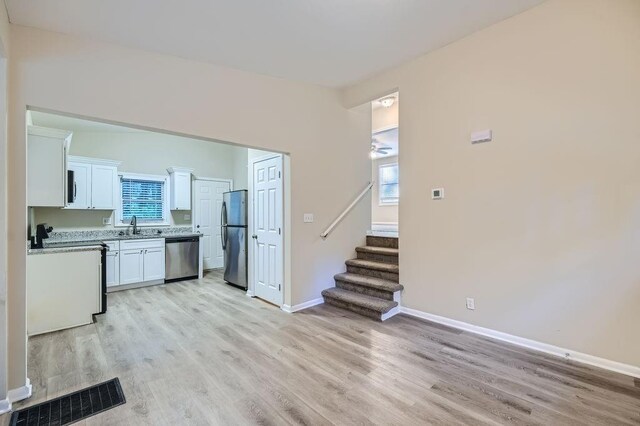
382	242
368	291
353	308
378	257
373	273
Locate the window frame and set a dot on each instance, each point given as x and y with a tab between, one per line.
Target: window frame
383	201
119	223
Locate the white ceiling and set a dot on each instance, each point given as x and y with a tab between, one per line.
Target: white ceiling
387	138
327	42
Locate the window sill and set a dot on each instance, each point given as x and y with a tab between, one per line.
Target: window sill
383	204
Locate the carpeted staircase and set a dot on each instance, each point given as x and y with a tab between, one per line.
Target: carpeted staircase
370	286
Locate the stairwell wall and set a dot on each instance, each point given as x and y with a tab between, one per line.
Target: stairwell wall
542	225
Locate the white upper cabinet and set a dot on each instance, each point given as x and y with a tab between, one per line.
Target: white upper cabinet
81	185
180	178
47	151
95	183
104	187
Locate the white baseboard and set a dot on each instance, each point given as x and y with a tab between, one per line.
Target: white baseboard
595	361
250	293
295	308
18	394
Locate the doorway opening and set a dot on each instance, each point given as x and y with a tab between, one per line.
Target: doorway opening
385	172
149	203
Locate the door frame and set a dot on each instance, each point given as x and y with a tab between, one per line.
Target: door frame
194	178
285	231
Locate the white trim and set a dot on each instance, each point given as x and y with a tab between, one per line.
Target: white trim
96	161
295	308
580	357
210	179
250	293
18	394
5	406
384	226
174	169
49	132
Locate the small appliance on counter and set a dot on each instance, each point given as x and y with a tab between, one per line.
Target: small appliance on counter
42	233
234	237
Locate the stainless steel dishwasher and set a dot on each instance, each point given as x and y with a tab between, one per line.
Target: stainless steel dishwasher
181	258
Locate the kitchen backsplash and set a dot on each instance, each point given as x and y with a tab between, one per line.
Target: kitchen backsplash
91	235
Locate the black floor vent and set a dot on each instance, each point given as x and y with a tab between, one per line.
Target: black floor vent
72	407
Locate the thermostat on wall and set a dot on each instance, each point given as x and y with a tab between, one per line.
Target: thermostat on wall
437	193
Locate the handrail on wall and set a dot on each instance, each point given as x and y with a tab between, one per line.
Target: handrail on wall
346	211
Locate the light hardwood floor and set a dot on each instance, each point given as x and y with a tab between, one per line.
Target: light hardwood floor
201	352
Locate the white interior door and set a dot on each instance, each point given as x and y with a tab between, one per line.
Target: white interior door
208	206
267	229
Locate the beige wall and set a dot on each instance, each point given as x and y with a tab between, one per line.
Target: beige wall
384	214
541	225
148	153
66	74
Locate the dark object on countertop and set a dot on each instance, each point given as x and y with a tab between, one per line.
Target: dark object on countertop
121	233
159	231
134	223
42	233
73	407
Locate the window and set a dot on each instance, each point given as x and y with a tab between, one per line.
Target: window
388	193
144	197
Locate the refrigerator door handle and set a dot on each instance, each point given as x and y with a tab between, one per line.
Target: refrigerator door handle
223	225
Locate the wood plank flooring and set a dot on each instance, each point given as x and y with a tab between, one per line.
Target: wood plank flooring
202	352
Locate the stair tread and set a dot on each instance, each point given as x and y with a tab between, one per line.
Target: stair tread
371	282
373	303
378	250
370	264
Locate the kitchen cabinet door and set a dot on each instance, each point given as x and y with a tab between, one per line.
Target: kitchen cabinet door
104	187
81	186
113	268
131	266
154	264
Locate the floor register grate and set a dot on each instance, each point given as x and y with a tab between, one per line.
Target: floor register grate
73	407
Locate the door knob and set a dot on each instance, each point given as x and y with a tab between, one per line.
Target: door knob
254	236
198	226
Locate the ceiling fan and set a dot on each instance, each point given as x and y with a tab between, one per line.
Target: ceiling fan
379	148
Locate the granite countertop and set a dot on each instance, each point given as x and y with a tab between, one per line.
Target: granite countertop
73	241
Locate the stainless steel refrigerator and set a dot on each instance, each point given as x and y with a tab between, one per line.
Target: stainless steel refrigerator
234	237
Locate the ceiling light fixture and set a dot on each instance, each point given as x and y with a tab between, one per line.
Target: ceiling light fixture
388	101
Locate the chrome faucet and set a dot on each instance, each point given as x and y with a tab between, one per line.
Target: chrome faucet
134	222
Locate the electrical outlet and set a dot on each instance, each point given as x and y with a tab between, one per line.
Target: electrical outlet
308	218
106	220
471	303
437	193
187	217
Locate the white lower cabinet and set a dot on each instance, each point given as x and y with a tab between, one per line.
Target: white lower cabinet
138	261
154	264
131	266
113	263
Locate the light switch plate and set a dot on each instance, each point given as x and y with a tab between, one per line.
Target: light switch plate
106	220
437	193
308	218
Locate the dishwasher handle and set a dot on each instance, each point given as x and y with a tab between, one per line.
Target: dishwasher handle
182	240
